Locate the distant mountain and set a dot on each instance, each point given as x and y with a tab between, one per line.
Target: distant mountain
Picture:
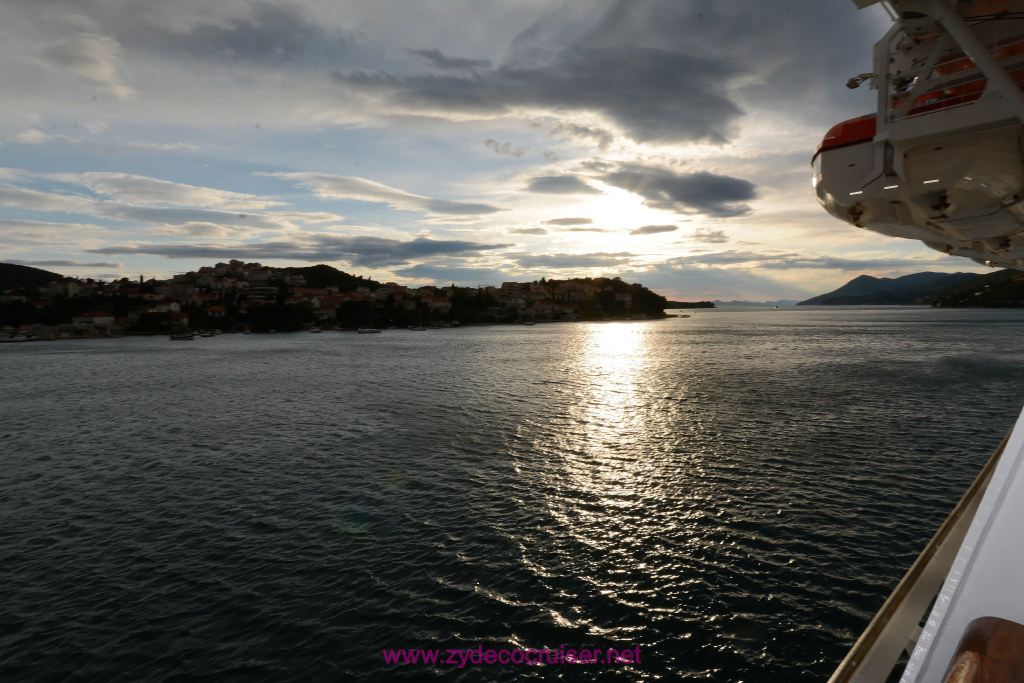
689	304
13	275
779	302
919	288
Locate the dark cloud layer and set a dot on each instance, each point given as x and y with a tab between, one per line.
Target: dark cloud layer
441	61
713	195
652	94
569	221
272	33
571	260
446	274
790	50
602	138
67	264
563	184
359	250
653	229
505	148
708	236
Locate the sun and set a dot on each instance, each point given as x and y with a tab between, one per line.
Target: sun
616	214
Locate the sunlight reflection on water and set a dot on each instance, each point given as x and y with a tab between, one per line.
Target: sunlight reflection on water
734	492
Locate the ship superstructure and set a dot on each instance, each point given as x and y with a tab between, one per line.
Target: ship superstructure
941	159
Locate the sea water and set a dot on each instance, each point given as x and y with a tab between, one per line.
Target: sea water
728	497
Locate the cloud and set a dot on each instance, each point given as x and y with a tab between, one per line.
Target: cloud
587	230
563	261
159	146
569	221
717	196
348	187
31	136
699	284
133	199
272	34
708	236
654	95
436	59
363	251
781	55
505	148
162	208
51	234
189	218
71	264
777	260
92	58
136	188
36	200
602	137
306	216
565	184
447	274
95	127
528	231
653	229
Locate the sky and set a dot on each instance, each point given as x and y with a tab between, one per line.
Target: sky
666	142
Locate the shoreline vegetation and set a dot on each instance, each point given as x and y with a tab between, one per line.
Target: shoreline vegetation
250	297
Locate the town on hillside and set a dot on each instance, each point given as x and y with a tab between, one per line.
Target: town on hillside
243	297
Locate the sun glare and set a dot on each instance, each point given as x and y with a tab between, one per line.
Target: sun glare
621	211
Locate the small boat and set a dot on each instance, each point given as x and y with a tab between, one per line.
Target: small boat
417	328
206	334
371	329
181	336
314	330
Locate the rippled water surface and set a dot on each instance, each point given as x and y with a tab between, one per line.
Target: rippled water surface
734	493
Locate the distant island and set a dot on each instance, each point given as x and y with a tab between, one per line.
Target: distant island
1004	288
690	304
238	296
776	303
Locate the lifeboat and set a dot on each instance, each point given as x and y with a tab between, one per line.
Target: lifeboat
941	160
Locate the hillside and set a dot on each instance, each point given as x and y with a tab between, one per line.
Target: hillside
918	288
328	276
1003	288
13	275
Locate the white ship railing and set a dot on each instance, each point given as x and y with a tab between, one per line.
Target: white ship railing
896	627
